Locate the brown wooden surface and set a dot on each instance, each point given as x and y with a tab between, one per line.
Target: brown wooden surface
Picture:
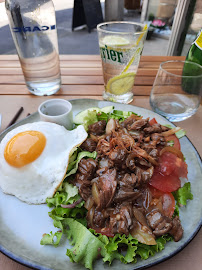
82	78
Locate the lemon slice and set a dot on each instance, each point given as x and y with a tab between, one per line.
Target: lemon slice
121	84
114	40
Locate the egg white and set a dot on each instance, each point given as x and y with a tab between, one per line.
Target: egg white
36	181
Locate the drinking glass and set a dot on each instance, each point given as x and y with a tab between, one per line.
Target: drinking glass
121	44
177	90
33	27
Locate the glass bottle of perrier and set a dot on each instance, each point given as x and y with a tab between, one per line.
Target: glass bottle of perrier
190	85
195	51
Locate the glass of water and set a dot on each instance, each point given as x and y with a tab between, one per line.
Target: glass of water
177	90
121	45
33	27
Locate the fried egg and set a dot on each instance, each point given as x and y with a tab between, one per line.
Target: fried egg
34	159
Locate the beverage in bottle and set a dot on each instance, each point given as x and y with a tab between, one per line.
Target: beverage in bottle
194	55
33	27
195	51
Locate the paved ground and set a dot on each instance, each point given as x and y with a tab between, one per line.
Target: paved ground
82	42
79	41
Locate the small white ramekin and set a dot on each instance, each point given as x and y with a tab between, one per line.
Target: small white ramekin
57	111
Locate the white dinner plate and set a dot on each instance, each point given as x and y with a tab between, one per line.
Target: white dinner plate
22	225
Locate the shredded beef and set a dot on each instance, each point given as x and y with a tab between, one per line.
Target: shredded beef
89	145
126	189
154	128
98	219
154	153
121	221
138	136
118	155
158	139
154	218
162	225
84	185
97	128
148	147
130	162
103	147
115	184
86	170
107	186
177	230
87	167
105	162
130	120
138	125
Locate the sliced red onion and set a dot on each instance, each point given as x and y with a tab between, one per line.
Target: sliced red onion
71	205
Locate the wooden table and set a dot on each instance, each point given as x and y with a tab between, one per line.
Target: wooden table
82	78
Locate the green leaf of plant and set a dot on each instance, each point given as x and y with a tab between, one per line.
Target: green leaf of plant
79	157
183	194
180	133
51	239
87	247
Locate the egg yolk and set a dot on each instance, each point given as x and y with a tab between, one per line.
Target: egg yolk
24	148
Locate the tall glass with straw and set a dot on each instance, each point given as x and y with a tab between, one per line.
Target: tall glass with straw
121	44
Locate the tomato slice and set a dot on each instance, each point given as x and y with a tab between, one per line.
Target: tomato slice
165	183
155	192
168	201
181	168
175	139
153	121
104	231
169	164
168	204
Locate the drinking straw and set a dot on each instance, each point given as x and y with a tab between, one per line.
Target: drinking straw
137	51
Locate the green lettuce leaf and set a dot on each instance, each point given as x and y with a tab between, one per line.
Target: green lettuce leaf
89	245
120	115
132	248
90	119
144	251
94	116
67	195
176	211
181	133
86	247
183	194
75	164
53	238
103	116
48	239
170	143
113	244
119	241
